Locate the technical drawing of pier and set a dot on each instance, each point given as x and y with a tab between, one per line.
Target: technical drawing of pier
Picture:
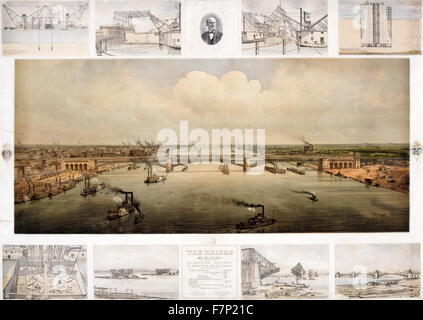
284	28
54	28
44	272
377	270
286	278
379	27
134	28
376	25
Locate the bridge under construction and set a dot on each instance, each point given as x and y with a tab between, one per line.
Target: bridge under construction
121	35
255	267
279	28
44	17
51	28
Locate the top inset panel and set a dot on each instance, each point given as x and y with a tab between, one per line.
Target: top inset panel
376	27
128	28
294	27
211	27
45	28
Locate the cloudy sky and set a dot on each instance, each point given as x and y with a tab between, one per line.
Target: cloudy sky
110	101
314	257
384	257
149	257
401	9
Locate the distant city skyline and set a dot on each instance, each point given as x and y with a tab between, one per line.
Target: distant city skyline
135	256
107	102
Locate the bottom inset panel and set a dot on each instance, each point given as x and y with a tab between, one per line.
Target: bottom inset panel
136	272
44	272
377	270
209	272
285	271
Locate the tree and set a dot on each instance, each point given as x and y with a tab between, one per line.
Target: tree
298	271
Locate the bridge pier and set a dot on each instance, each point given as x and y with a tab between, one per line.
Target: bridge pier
250	274
254	268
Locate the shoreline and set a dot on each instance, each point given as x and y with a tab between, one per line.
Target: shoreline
388	177
54	185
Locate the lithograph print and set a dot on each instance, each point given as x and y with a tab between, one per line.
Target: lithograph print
212	146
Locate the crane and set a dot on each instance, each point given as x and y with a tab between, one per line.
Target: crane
124	19
43	17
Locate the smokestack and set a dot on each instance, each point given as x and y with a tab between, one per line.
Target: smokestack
249	205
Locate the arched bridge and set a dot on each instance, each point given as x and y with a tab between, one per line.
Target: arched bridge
408	274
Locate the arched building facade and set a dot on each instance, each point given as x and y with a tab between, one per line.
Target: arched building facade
80	165
339	163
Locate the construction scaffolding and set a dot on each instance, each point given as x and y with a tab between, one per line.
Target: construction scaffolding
122	31
44	17
125	19
280	28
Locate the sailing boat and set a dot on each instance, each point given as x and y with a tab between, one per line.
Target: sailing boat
152	176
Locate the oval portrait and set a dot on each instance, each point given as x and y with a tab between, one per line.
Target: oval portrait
211	29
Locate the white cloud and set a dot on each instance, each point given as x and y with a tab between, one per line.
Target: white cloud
327	101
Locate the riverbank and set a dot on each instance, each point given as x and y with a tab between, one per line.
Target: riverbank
404	288
54	183
285	291
389	177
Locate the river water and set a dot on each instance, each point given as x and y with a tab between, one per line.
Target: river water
150	286
364	280
201	200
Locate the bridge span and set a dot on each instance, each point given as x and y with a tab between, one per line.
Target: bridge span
407	274
321	162
255	267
